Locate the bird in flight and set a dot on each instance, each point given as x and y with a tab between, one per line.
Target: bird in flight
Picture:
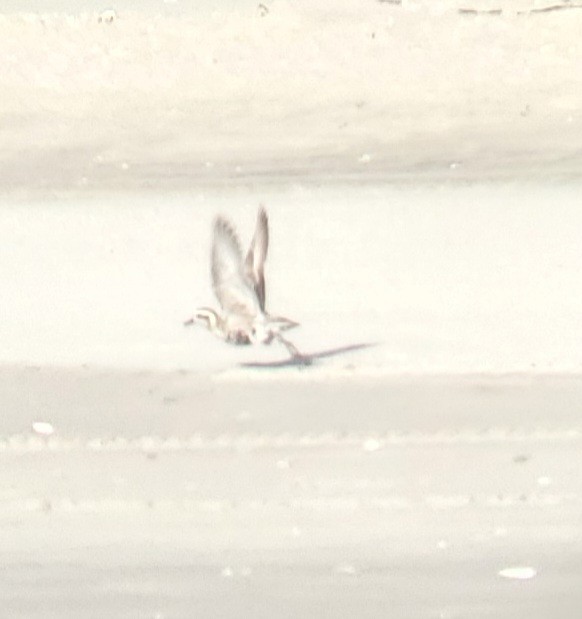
239	286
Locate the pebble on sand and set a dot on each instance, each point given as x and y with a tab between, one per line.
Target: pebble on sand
43	427
518	573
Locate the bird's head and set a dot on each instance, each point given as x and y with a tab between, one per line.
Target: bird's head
205	317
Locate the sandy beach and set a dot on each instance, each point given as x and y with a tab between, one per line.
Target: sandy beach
171	495
420	164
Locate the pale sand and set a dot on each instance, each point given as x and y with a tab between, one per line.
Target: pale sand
407	479
176	495
168	96
443	278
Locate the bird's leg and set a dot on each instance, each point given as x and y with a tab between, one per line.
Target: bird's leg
292	350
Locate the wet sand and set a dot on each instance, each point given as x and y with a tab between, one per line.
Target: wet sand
179	495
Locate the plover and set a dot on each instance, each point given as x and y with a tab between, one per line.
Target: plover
239	287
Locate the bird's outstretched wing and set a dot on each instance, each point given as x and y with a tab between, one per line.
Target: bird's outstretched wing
231	287
256	256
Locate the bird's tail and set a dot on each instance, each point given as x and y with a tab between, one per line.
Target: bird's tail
281	323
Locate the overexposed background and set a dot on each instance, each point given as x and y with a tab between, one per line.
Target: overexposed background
442	277
420	163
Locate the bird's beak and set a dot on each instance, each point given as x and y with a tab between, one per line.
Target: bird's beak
189	322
